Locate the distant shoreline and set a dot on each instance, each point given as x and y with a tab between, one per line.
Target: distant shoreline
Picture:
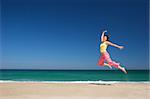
78	82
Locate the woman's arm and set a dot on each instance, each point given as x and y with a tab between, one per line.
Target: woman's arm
102	36
115	45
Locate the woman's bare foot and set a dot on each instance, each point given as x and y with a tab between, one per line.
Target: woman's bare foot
108	65
123	69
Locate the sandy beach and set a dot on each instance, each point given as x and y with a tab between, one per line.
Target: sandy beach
74	91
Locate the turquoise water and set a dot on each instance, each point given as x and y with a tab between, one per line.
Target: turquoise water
73	75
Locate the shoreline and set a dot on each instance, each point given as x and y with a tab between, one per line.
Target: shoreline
78	82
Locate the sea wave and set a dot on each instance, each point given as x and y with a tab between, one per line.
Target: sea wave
76	82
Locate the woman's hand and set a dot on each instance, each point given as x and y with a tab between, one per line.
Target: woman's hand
102	36
120	47
105	31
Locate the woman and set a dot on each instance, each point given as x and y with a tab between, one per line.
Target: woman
105	55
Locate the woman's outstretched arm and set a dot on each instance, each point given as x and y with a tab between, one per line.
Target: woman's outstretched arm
102	36
115	45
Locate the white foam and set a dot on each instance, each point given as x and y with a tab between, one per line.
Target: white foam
76	82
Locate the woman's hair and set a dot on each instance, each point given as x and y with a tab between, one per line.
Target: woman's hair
108	36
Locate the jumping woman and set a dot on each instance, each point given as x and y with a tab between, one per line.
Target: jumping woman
105	59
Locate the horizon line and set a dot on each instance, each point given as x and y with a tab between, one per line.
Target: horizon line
71	69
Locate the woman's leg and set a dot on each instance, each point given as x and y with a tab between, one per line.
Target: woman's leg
113	63
109	61
101	61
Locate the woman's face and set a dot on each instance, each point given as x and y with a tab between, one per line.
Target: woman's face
105	38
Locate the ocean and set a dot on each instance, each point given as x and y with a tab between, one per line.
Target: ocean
74	75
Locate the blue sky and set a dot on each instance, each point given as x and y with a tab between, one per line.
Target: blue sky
64	34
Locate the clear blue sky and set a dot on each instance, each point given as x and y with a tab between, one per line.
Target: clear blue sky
64	34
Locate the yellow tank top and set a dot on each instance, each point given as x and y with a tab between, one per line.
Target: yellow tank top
103	47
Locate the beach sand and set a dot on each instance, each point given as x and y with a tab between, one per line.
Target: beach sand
74	91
